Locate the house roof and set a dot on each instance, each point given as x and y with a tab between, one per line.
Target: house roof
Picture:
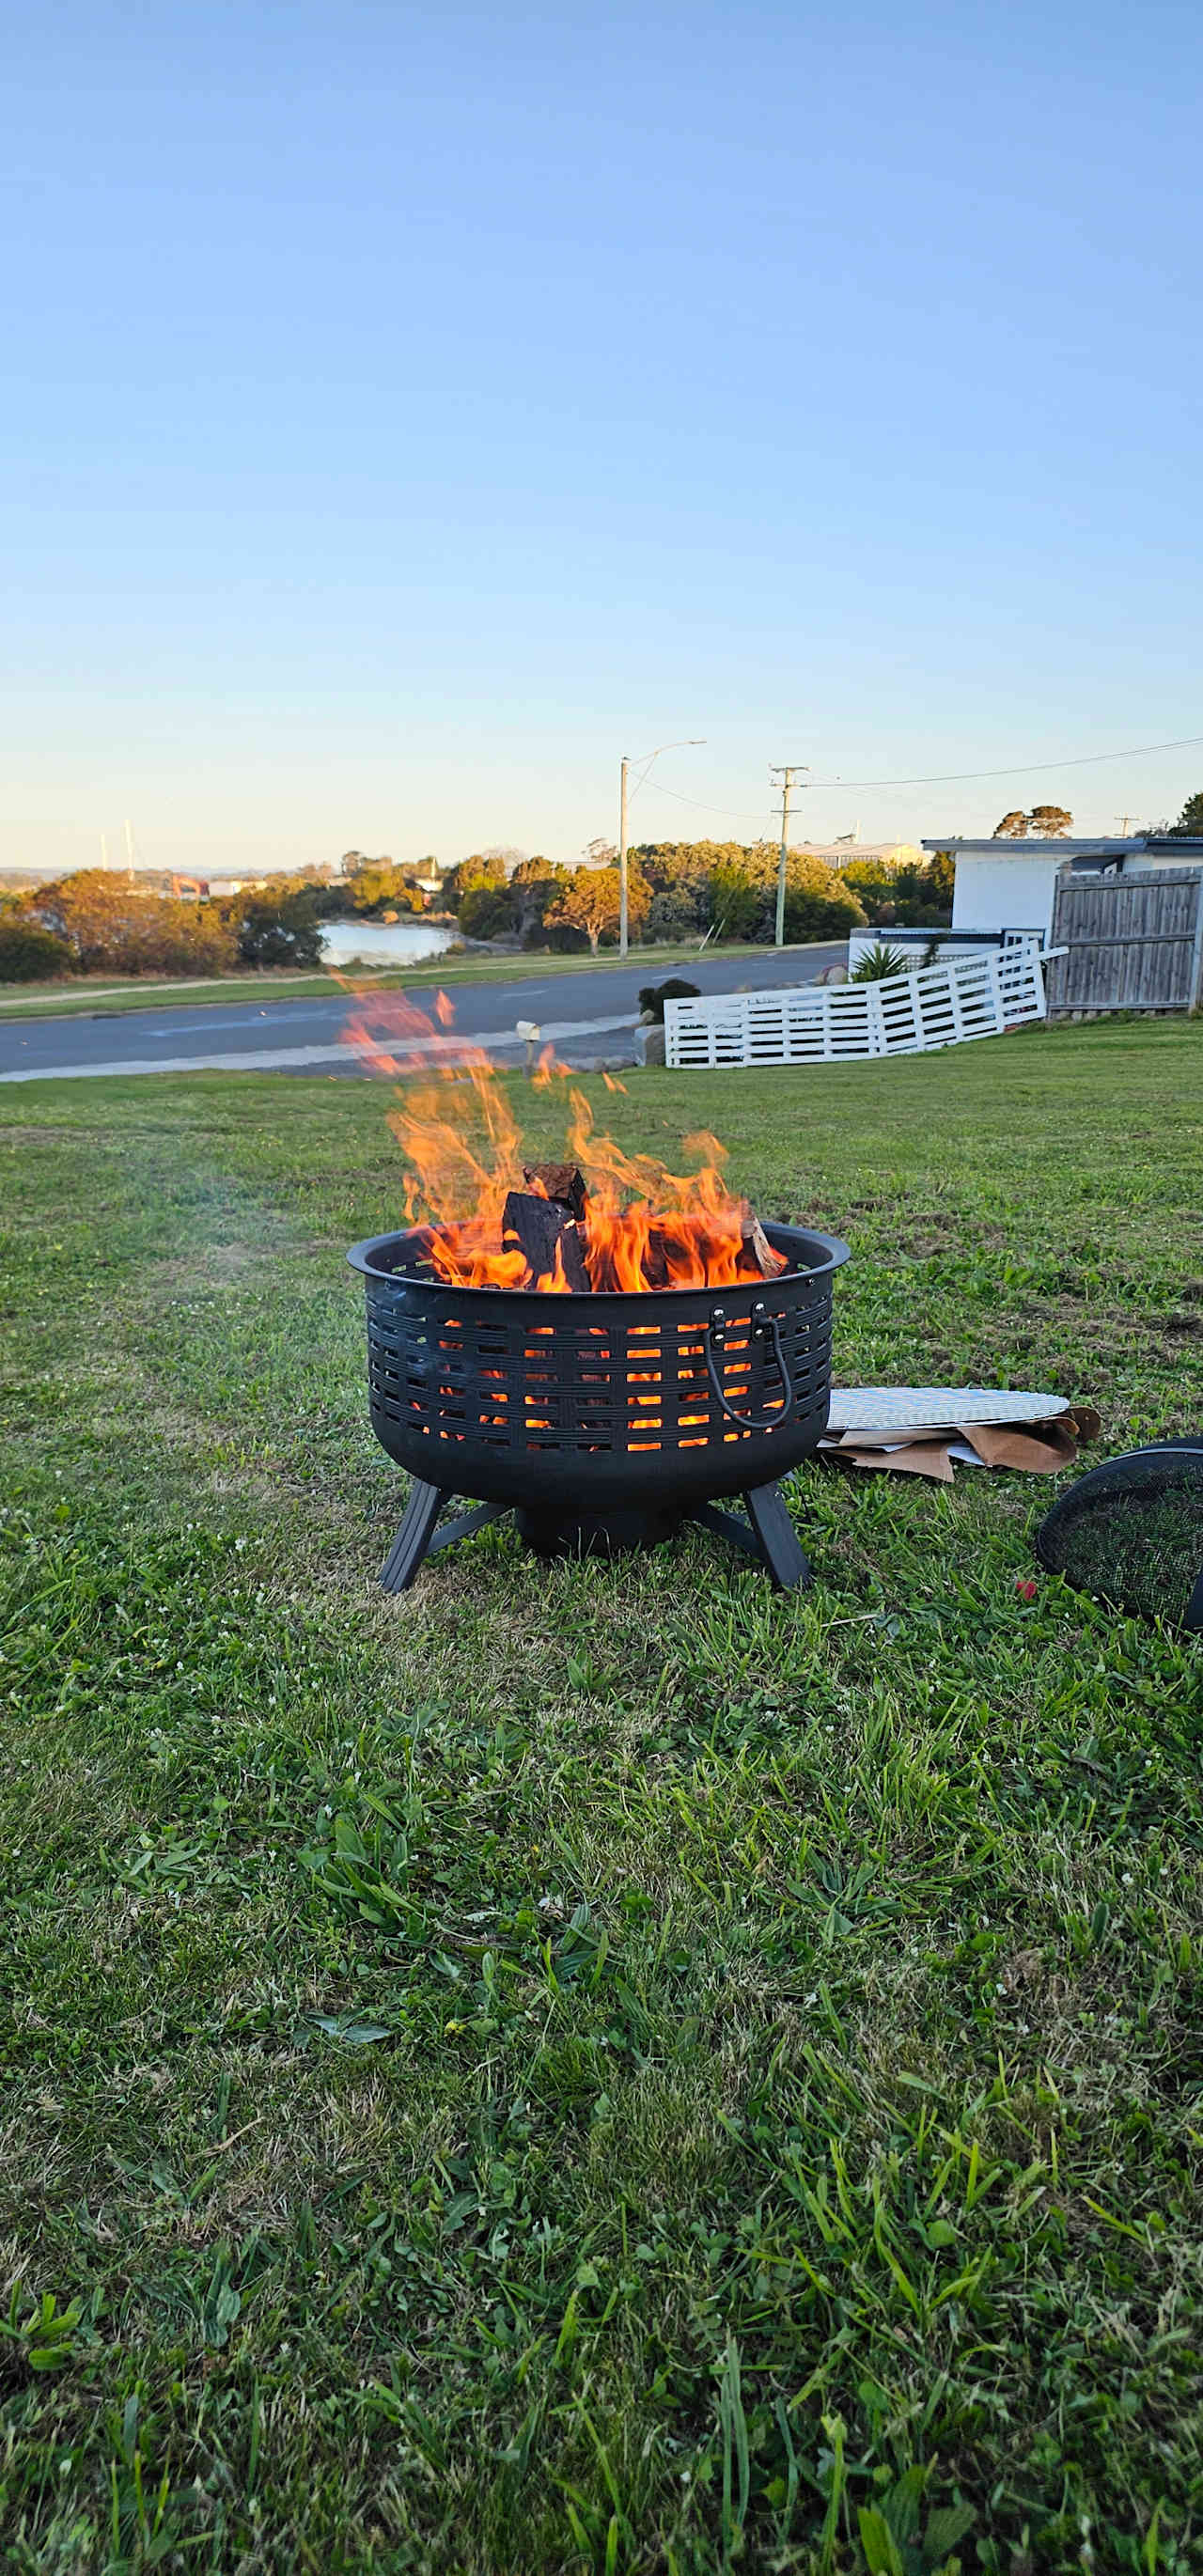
1032	847
1185	845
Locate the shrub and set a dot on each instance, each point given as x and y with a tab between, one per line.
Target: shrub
28	953
654	996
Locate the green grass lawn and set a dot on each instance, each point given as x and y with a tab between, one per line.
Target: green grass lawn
108	997
593	2067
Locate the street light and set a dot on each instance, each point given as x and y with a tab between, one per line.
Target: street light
693	743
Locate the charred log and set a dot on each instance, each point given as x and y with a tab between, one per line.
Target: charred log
563	1182
540	1229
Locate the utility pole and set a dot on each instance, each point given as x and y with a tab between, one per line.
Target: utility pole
129	848
643	764
1123	821
786	771
623	941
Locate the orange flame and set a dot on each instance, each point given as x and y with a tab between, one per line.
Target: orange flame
644	1227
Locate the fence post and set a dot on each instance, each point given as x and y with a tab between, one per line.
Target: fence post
1195	996
994	963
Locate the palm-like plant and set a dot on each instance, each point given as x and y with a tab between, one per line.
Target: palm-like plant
878	962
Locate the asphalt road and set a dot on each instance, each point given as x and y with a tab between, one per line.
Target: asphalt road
586	1015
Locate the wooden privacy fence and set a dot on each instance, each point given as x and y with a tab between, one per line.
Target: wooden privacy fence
1132	942
941	1006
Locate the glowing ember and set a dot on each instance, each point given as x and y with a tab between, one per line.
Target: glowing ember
643	1227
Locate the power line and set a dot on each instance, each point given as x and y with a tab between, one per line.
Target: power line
1022	769
947	778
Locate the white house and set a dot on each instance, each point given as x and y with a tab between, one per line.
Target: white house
1002	888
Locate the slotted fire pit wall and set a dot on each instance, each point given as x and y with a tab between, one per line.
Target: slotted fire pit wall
603	1421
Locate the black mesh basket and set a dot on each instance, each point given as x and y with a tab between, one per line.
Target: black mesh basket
1132	1533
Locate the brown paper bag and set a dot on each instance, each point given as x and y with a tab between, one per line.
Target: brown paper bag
918	1458
1040	1448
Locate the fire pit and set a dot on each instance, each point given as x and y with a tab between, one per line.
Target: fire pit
600	1345
605	1420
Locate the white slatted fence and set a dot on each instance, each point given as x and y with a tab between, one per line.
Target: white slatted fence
967	997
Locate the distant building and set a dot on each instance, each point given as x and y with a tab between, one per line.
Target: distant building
1005	888
840	854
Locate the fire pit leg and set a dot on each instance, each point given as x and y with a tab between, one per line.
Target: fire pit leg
419	1536
771	1537
778	1537
413	1538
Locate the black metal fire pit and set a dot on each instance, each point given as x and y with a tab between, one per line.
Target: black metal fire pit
602	1421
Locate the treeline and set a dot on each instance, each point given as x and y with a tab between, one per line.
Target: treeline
95	922
680	890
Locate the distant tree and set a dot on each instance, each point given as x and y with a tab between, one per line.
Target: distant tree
486	912
589	901
906	892
1045	823
378	886
817	904
598	854
682	877
872	880
531	888
679	912
943	870
1191	817
678	881
475	871
736	896
280	930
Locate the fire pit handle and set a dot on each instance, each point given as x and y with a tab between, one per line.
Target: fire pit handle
758	1324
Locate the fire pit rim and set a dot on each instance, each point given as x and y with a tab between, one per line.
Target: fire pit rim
790	1239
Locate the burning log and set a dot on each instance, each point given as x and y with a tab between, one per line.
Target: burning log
563	1182
541	1229
756	1243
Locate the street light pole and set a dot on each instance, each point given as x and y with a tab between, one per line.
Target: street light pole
694	743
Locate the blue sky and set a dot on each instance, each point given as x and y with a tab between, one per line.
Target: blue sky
409	411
